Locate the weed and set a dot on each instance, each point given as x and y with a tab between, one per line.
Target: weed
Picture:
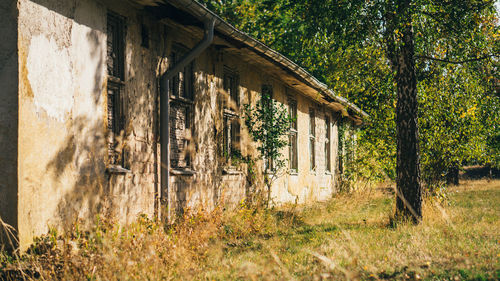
348	237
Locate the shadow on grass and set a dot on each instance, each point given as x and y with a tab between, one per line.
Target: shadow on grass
331	227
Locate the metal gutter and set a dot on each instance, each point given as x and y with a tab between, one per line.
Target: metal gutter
201	12
165	108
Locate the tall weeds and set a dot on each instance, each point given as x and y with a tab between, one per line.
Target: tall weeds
347	238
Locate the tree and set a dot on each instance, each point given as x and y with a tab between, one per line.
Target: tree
341	39
458	117
399	40
268	123
401	18
456	69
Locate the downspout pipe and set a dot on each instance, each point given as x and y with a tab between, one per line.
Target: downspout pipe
165	109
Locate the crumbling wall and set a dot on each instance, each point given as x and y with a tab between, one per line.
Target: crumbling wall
8	114
63	122
211	182
62	116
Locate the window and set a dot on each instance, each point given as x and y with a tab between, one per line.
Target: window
115	87
231	85
293	155
312	139
181	85
181	112
231	134
180	135
340	149
328	164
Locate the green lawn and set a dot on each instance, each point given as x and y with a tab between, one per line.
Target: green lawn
348	237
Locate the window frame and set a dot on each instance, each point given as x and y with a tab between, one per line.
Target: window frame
117	21
233	88
115	90
231	143
328	144
187	109
182	96
293	135
182	84
231	127
312	139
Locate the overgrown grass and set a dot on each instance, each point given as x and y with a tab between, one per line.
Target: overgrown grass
348	237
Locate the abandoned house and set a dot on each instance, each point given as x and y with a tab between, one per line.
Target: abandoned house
134	107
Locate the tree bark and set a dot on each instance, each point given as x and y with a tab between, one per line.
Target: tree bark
401	53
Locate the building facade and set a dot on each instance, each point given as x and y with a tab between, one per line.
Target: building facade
83	97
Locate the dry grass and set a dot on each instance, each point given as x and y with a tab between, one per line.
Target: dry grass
348	237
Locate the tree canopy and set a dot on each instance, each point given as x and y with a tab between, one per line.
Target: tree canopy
352	45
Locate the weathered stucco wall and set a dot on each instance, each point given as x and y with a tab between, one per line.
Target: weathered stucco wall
307	186
62	117
210	184
63	121
8	113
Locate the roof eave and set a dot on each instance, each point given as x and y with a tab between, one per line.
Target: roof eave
203	13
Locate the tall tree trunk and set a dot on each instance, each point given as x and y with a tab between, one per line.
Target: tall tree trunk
401	54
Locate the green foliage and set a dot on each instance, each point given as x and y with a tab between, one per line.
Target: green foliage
343	43
459	110
268	123
458	119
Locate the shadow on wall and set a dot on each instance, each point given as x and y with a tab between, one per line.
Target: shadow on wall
84	150
87	197
93	191
203	188
211	185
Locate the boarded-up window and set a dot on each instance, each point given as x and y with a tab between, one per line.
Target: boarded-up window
328	161
180	135
115	87
181	112
293	153
312	139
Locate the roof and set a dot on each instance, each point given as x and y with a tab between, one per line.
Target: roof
202	13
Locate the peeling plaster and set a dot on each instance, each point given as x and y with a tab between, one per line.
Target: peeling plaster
49	73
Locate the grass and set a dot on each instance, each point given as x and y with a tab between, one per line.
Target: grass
348	237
